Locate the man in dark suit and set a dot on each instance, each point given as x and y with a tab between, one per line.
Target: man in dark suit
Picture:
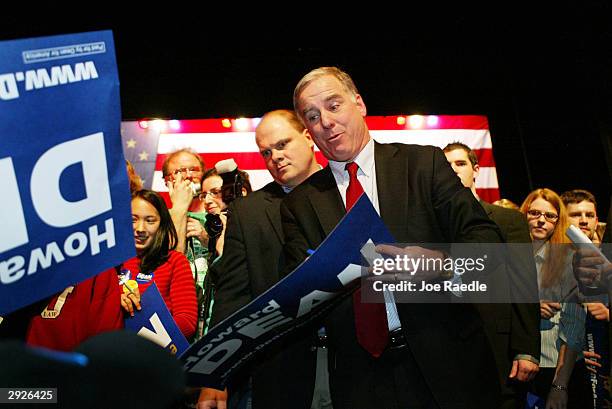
249	266
437	355
513	328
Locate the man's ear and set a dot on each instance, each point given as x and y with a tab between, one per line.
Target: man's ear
361	105
308	138
476	171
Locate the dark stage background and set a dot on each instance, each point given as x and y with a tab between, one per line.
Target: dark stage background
545	83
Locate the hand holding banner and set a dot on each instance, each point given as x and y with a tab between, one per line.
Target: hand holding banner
155	323
307	292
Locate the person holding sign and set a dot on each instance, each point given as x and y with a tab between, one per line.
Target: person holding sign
419	355
157	261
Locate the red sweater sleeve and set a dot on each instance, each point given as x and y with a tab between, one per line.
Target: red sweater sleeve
183	295
105	309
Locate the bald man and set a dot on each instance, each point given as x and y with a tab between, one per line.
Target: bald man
249	266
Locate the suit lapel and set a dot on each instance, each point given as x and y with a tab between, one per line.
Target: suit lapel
274	196
390	182
488	209
326	200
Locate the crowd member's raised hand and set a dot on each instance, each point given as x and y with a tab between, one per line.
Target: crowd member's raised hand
591	269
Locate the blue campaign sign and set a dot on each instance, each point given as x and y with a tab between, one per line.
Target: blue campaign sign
293	302
155	323
65	194
597	340
534	402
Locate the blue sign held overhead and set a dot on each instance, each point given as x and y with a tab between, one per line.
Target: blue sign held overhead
66	203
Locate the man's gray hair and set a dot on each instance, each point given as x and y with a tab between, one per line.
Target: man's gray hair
343	77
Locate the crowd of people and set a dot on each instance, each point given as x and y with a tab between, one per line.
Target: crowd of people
221	245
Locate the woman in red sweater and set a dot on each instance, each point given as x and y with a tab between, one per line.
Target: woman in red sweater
156	261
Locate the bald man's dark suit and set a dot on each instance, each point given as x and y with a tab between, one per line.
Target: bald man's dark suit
284	377
421	201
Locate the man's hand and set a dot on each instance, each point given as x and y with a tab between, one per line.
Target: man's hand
557	399
212	398
590	361
548	309
180	192
523	370
590	268
598	310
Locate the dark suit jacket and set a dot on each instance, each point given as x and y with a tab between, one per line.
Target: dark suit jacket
284	376
513	328
421	201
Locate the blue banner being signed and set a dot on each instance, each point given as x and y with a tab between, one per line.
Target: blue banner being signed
65	196
300	297
155	323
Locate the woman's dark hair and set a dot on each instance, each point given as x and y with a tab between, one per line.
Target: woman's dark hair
228	189
165	239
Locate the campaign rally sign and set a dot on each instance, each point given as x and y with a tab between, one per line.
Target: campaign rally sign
534	402
155	323
597	340
65	193
292	303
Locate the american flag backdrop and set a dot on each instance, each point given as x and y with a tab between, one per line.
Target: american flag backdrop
140	148
217	139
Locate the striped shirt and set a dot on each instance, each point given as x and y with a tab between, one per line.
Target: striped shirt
567	325
176	286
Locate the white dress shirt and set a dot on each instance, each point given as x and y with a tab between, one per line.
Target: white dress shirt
366	174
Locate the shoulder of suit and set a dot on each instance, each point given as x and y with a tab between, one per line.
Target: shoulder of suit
503	211
254	200
407	149
317	180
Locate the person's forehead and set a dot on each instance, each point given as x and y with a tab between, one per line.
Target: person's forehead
585	205
272	131
183	158
213	181
141	205
456	154
541	203
322	87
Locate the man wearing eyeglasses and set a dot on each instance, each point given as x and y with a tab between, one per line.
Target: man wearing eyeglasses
513	329
183	171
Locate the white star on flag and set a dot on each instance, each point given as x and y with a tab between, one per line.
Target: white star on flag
131	143
143	156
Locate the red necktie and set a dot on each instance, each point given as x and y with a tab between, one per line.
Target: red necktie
370	318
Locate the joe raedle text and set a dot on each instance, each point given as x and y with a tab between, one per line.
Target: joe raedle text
423	286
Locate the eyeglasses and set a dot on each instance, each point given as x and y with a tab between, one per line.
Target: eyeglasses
184	171
214	193
549	216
